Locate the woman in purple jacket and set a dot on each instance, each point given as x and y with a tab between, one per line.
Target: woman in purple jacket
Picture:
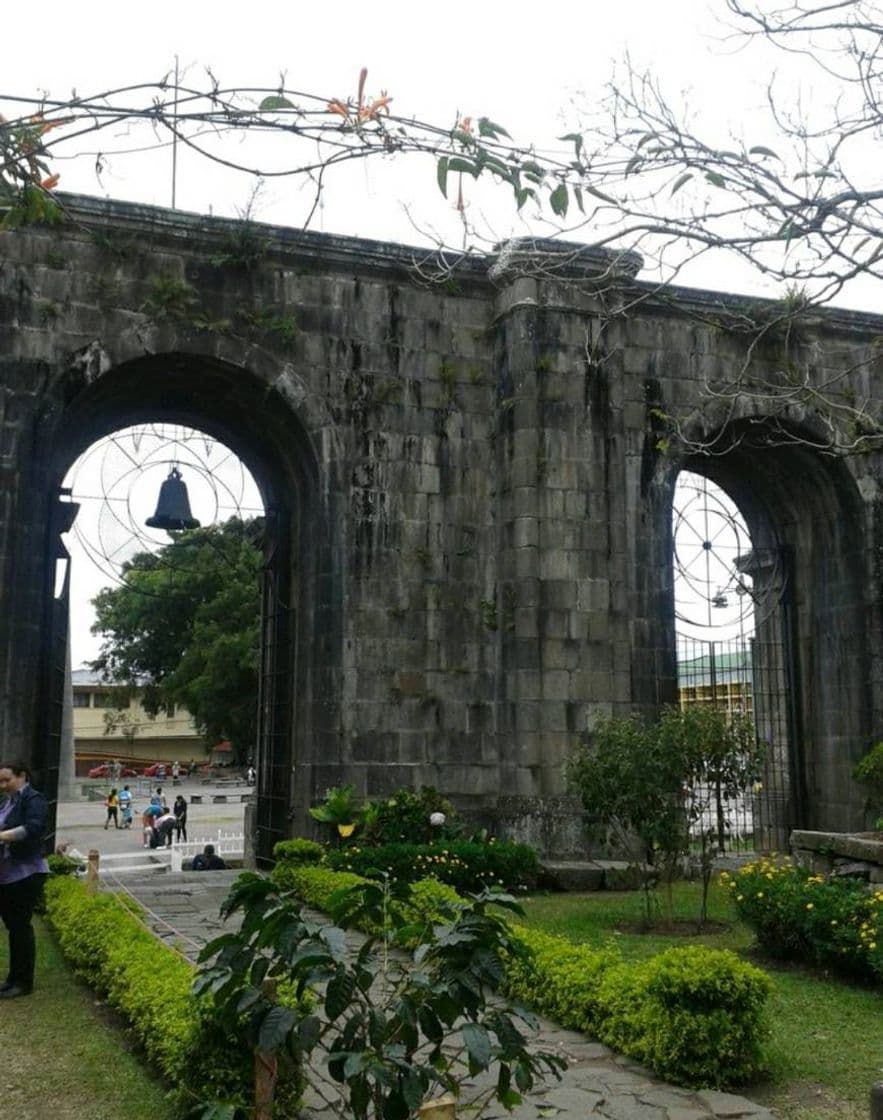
23	869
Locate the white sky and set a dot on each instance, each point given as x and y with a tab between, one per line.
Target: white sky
524	66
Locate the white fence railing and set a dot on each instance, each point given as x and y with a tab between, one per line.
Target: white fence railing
228	845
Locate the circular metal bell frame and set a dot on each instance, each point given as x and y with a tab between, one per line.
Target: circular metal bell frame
173	506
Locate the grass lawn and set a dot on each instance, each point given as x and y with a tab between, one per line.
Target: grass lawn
66	1056
826	1048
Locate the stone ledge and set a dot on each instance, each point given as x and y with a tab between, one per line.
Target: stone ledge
864	846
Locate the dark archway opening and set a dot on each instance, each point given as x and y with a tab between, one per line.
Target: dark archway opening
259	425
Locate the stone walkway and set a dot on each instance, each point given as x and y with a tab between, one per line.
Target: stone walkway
183	910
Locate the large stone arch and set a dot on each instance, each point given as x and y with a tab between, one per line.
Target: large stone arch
803	509
260	409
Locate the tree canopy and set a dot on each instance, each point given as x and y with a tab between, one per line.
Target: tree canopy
184	628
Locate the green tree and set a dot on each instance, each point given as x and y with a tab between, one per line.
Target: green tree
656	788
630	788
184	628
720	757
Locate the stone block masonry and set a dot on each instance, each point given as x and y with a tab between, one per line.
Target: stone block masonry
468	495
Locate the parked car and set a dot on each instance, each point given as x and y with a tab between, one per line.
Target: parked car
153	771
103	771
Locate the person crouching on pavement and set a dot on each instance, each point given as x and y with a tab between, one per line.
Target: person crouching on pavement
163	829
24	818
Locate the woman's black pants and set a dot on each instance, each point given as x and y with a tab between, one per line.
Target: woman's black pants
17	904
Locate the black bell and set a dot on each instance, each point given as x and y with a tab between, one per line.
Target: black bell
173	508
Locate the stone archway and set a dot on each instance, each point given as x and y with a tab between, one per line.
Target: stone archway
804	509
251	412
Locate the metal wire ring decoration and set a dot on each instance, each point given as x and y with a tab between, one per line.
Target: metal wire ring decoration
715	564
116	482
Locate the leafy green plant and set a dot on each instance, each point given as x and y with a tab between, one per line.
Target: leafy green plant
720	757
340	807
392	1031
631	789
405	816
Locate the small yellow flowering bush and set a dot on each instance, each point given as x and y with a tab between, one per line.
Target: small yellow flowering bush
837	923
464	864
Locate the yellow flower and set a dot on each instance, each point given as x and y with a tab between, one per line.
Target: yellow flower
760	894
809	906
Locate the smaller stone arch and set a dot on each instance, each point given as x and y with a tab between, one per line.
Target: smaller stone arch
806	509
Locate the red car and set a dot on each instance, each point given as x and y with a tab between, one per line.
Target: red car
103	771
151	771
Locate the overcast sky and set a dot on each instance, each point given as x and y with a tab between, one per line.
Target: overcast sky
526	67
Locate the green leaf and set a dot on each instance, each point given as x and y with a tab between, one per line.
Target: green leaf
478	1046
559	200
760	150
600	194
575	138
488	128
308	1032
682	179
275	1028
338	994
275	102
441	173
464	165
413	1090
715	179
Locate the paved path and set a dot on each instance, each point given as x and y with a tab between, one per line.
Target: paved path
184	909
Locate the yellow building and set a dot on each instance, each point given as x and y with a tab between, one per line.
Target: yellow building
108	724
723	680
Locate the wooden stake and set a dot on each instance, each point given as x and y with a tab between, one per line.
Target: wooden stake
442	1108
92	871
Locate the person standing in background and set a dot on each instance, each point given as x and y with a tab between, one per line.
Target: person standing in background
180	811
24	816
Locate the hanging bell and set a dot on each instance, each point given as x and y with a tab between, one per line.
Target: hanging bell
173	507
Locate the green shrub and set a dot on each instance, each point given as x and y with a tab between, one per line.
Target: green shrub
298	850
63	865
464	864
403	817
150	985
560	979
835	923
694	1015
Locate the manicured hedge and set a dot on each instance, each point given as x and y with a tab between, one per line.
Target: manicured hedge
835	923
150	986
315	886
694	1015
464	864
